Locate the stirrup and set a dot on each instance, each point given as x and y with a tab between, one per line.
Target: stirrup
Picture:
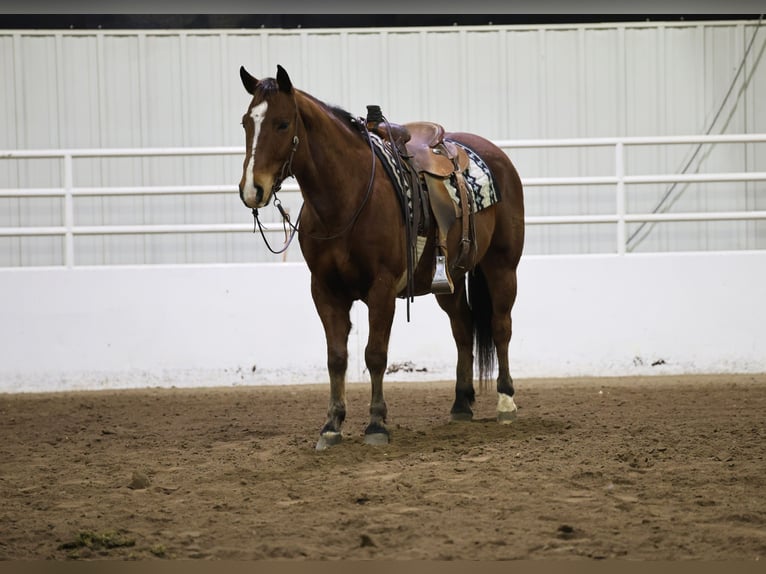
442	282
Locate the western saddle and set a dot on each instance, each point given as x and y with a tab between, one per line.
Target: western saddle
434	161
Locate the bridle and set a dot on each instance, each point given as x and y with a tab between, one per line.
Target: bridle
287	171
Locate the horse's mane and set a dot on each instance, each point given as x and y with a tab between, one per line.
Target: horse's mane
343	116
269	86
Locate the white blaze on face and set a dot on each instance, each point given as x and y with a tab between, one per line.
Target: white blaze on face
257	113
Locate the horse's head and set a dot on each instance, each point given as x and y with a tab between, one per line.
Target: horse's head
270	136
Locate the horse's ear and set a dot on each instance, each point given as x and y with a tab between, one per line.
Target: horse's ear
247	80
283	80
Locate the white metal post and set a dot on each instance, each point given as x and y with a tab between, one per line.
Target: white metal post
619	168
68	211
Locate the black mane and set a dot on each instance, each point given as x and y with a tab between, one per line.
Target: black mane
346	118
268	86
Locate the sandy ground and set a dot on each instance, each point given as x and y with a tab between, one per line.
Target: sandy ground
667	468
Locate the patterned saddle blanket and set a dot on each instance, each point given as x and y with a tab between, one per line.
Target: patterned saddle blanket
479	180
477	176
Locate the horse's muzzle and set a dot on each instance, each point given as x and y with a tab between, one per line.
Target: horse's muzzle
252	196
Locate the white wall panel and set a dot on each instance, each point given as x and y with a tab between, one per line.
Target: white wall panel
525	84
78	91
563	100
602	84
167	88
406	65
756	120
8	89
324	66
37	79
368	79
10	247
443	80
287	50
192	325
179	88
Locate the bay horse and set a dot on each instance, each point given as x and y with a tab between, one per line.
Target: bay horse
352	236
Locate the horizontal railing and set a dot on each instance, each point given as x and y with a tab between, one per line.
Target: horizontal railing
69	229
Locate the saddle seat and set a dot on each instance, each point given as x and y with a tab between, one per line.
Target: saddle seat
431	153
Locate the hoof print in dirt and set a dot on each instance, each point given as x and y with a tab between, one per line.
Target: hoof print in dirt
376	439
461	417
505	417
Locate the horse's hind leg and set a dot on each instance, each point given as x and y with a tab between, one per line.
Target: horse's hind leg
456	307
501	281
334	312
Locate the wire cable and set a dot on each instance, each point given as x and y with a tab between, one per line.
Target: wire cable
688	164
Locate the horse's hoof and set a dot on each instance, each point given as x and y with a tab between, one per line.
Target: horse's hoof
506	409
461	417
376	434
376	439
328	439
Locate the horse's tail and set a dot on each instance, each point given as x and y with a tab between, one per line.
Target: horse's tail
481	310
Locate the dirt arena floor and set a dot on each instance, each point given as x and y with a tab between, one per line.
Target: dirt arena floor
661	468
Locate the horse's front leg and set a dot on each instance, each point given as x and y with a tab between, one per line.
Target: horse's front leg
333	310
381	304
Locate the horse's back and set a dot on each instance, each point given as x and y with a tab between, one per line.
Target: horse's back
509	211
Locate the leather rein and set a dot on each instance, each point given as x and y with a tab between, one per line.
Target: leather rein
287	171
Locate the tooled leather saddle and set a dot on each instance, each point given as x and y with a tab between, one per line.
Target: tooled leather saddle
434	161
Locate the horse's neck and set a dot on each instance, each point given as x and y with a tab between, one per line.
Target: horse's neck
334	168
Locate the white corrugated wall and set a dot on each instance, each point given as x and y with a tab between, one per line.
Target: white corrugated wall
91	89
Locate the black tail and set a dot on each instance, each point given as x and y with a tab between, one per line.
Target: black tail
480	302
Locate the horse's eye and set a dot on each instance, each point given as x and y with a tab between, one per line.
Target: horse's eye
282	126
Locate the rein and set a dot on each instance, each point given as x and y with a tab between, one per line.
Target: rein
287	171
285	222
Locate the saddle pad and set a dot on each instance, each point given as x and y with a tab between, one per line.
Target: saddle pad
478	179
392	167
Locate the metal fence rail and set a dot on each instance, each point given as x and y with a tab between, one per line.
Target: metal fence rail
620	180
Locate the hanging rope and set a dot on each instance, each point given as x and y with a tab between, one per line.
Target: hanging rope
661	204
